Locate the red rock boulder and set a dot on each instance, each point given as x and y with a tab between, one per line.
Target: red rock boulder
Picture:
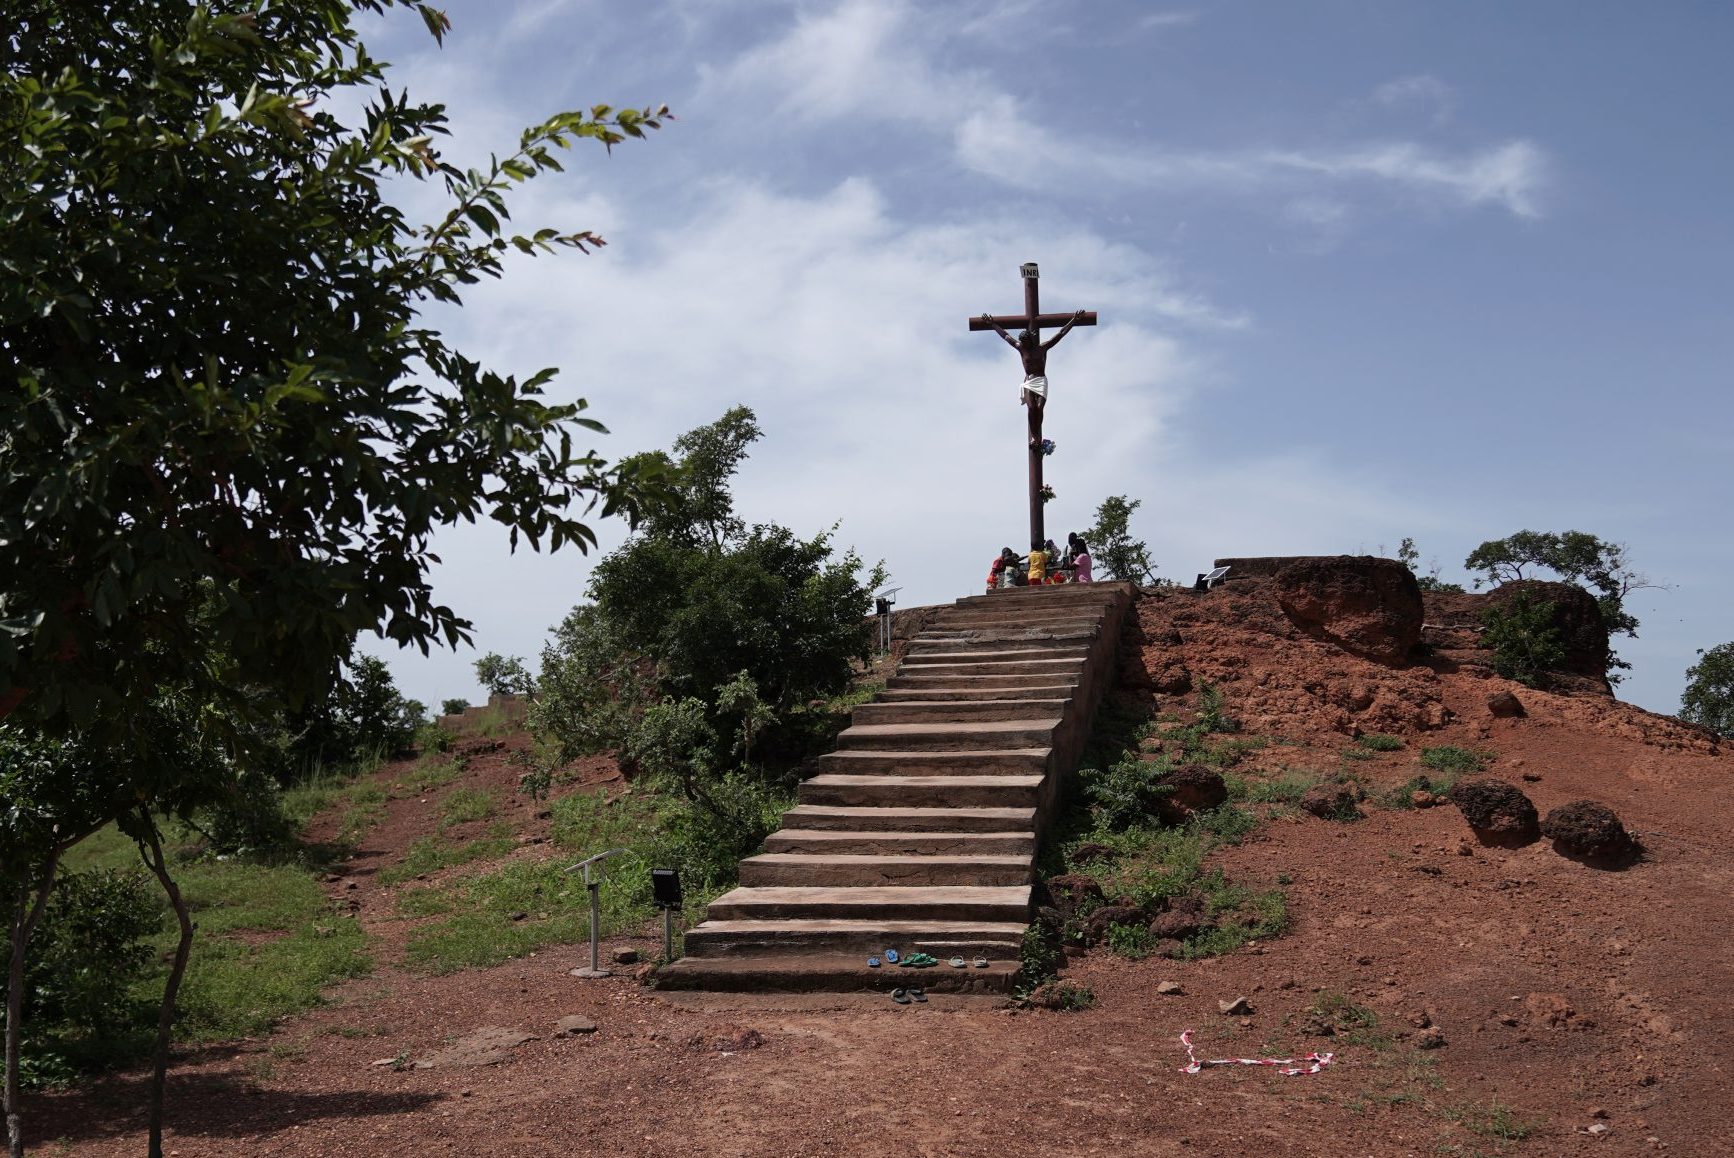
1369	606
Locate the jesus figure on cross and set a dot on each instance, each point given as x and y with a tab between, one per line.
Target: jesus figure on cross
1033	352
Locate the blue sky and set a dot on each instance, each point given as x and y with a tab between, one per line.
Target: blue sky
1364	270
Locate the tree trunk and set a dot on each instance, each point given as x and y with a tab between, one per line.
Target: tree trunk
152	853
25	914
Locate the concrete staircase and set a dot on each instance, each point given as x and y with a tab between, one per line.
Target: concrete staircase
919	831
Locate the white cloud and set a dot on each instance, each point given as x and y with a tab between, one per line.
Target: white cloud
878	60
846	330
1173	19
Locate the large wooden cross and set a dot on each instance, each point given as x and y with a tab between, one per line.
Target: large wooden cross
1034	353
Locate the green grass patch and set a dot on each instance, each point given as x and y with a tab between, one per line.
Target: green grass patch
1228	753
1359	754
1241	914
268	940
1456	761
476	910
464	805
1284	788
1492	1119
431	854
1380	742
432	772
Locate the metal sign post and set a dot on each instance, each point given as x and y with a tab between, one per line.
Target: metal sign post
882	603
595	887
665	887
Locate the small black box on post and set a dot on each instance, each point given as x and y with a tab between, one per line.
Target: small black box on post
665	888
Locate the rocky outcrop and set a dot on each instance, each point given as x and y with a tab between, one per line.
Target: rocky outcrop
1368	606
1454	623
1497	812
1192	788
1590	831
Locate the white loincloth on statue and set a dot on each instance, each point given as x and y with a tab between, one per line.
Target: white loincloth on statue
1036	384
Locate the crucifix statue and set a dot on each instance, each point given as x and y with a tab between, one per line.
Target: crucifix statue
1034	393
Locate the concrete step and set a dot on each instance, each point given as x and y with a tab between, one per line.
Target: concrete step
939	694
1001	940
842	841
1011	638
1020	613
1066	677
952	667
975	736
922	791
991	762
903	818
956	711
1069	596
865	870
950	629
889	903
831	973
995	653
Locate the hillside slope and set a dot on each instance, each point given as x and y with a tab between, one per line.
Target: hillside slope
1479	1000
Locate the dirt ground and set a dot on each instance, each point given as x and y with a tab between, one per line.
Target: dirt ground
1583	1011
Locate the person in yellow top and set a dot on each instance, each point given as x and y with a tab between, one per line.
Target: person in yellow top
1038	567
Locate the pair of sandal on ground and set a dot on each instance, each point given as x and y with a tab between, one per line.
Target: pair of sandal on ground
919	960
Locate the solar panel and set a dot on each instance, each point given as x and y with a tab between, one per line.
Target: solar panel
1215	577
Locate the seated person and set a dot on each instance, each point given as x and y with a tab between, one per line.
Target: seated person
1038	564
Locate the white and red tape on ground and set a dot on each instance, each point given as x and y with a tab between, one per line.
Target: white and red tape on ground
1288	1066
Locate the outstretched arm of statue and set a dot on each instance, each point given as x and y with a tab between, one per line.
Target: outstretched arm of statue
1000	330
1064	330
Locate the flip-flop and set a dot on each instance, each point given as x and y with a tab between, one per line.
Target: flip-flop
872	962
901	996
956	962
981	962
918	995
891	956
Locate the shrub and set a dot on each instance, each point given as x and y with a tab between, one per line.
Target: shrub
1709	695
1129	941
453	706
1126	793
1040	957
1525	643
90	950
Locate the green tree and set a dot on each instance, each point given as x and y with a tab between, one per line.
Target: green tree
1113	550
1525	643
1709	695
504	675
227	436
699	619
1576	557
